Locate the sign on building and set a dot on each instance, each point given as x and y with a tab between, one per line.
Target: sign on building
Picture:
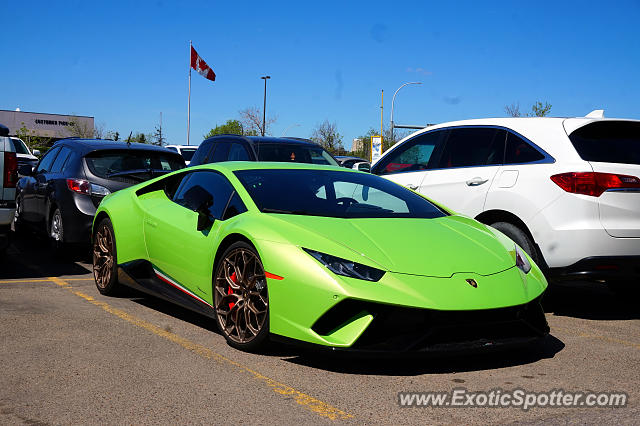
47	125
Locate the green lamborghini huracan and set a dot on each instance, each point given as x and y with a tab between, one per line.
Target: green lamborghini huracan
319	255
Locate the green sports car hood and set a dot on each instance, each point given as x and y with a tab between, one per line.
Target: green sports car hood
430	247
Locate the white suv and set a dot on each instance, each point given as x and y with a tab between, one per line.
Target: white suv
8	180
565	189
186	151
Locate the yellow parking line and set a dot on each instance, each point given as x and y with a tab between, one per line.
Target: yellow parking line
306	401
46	280
597	336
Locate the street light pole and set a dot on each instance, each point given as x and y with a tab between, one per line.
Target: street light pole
264	106
393	100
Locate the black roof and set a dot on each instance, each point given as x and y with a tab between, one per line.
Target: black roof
259	140
88	145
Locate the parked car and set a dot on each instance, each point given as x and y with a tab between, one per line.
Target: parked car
24	154
348	161
60	195
320	255
9	173
255	148
186	151
565	189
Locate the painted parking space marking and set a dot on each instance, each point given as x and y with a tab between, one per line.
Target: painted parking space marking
307	402
597	336
38	280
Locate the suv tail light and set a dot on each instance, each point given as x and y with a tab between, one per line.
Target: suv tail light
594	183
10	170
82	186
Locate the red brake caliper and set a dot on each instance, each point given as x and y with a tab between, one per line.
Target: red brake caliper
230	291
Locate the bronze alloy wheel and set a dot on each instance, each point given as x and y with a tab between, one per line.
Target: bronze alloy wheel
241	298
103	256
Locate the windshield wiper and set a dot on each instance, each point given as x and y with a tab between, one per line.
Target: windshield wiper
135	172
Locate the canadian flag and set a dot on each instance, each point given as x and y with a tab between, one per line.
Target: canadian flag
198	64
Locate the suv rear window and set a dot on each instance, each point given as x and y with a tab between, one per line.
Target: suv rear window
284	152
18	146
608	142
104	164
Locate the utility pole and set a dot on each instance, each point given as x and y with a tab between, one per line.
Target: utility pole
264	105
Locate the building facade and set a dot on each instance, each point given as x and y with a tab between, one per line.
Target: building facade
54	126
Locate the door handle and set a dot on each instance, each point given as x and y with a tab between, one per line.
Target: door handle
412	187
151	223
476	181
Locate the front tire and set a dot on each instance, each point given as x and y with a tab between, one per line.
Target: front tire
519	237
241	299
105	260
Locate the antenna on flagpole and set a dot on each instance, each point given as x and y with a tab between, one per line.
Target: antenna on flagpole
189	102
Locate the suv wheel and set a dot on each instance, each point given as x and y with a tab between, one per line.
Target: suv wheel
519	237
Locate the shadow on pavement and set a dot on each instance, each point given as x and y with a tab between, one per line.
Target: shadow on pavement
441	364
30	256
589	300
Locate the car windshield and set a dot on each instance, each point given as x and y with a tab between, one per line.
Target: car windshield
297	153
107	163
333	194
187	153
19	147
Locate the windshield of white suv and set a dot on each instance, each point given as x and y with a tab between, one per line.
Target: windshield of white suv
608	142
187	153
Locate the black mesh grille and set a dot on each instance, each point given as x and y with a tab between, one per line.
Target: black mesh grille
411	329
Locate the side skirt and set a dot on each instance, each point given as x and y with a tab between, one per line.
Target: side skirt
142	276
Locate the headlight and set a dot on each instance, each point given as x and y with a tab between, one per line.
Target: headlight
521	261
346	267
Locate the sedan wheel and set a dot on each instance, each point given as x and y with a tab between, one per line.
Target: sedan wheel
105	259
241	299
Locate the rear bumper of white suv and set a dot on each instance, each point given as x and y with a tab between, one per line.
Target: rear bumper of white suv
607	268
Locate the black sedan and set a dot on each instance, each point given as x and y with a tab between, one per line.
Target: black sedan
60	195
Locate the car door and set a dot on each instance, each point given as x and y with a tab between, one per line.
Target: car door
33	192
408	163
175	246
467	165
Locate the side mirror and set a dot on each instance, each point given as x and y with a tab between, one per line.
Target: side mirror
200	200
36	152
364	167
25	170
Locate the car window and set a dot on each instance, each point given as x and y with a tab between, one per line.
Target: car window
56	167
608	142
234	208
19	146
296	153
104	164
473	146
220	152
414	154
519	151
202	154
237	152
209	181
329	193
45	164
187	153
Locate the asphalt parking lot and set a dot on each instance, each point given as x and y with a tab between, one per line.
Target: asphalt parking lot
70	355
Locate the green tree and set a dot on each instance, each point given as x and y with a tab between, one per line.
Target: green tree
231	127
538	109
326	135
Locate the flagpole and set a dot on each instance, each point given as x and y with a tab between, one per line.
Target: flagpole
189	102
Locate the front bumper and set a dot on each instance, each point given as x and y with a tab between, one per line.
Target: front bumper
607	268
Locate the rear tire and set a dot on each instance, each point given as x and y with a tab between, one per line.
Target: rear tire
105	259
56	231
519	237
18	226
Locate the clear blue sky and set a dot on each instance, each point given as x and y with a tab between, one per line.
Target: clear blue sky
125	62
